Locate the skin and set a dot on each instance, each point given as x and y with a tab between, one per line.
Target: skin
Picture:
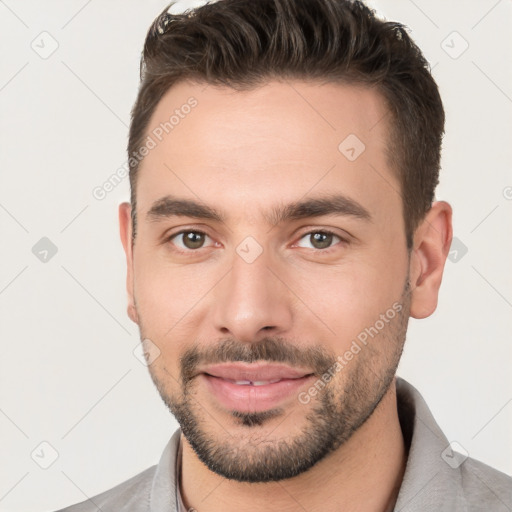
244	153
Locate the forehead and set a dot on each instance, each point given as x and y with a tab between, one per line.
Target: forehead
272	143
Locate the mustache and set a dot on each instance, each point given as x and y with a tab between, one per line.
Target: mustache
269	349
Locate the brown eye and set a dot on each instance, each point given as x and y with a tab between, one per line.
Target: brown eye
189	240
193	240
319	240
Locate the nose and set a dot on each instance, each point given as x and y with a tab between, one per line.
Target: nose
252	301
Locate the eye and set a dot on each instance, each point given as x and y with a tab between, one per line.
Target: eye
319	240
190	240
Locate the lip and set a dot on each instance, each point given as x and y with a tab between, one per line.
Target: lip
231	384
254	371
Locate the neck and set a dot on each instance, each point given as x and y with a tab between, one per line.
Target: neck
365	473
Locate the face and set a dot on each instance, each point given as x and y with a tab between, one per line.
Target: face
269	271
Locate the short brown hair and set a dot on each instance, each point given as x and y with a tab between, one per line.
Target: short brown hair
243	44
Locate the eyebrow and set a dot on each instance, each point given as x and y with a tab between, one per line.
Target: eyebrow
170	206
336	204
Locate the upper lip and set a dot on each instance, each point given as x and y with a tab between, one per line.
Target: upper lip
254	371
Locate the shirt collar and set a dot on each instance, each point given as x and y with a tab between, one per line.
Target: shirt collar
163	489
429	482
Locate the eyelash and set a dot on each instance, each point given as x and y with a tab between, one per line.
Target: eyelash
308	233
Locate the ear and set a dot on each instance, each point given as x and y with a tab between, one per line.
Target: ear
125	229
432	240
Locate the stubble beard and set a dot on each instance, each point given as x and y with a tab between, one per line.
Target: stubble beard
237	448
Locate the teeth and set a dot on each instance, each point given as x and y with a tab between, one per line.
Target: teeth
255	383
263	382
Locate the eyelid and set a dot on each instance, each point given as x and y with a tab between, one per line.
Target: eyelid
169	233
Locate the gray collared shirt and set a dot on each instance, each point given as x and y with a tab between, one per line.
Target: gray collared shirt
436	478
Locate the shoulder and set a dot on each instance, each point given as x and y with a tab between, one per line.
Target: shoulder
484	487
132	495
437	477
153	489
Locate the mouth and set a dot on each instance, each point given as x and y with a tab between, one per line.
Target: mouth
250	382
253	387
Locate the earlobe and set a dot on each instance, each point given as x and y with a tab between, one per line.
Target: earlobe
432	241
125	231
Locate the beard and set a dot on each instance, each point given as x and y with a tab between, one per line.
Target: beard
246	453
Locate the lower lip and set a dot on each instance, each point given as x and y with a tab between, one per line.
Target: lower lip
248	398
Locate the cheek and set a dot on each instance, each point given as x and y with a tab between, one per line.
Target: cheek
348	299
174	300
166	295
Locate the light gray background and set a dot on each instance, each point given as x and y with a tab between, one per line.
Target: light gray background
68	373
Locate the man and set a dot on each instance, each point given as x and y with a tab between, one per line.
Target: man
282	229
